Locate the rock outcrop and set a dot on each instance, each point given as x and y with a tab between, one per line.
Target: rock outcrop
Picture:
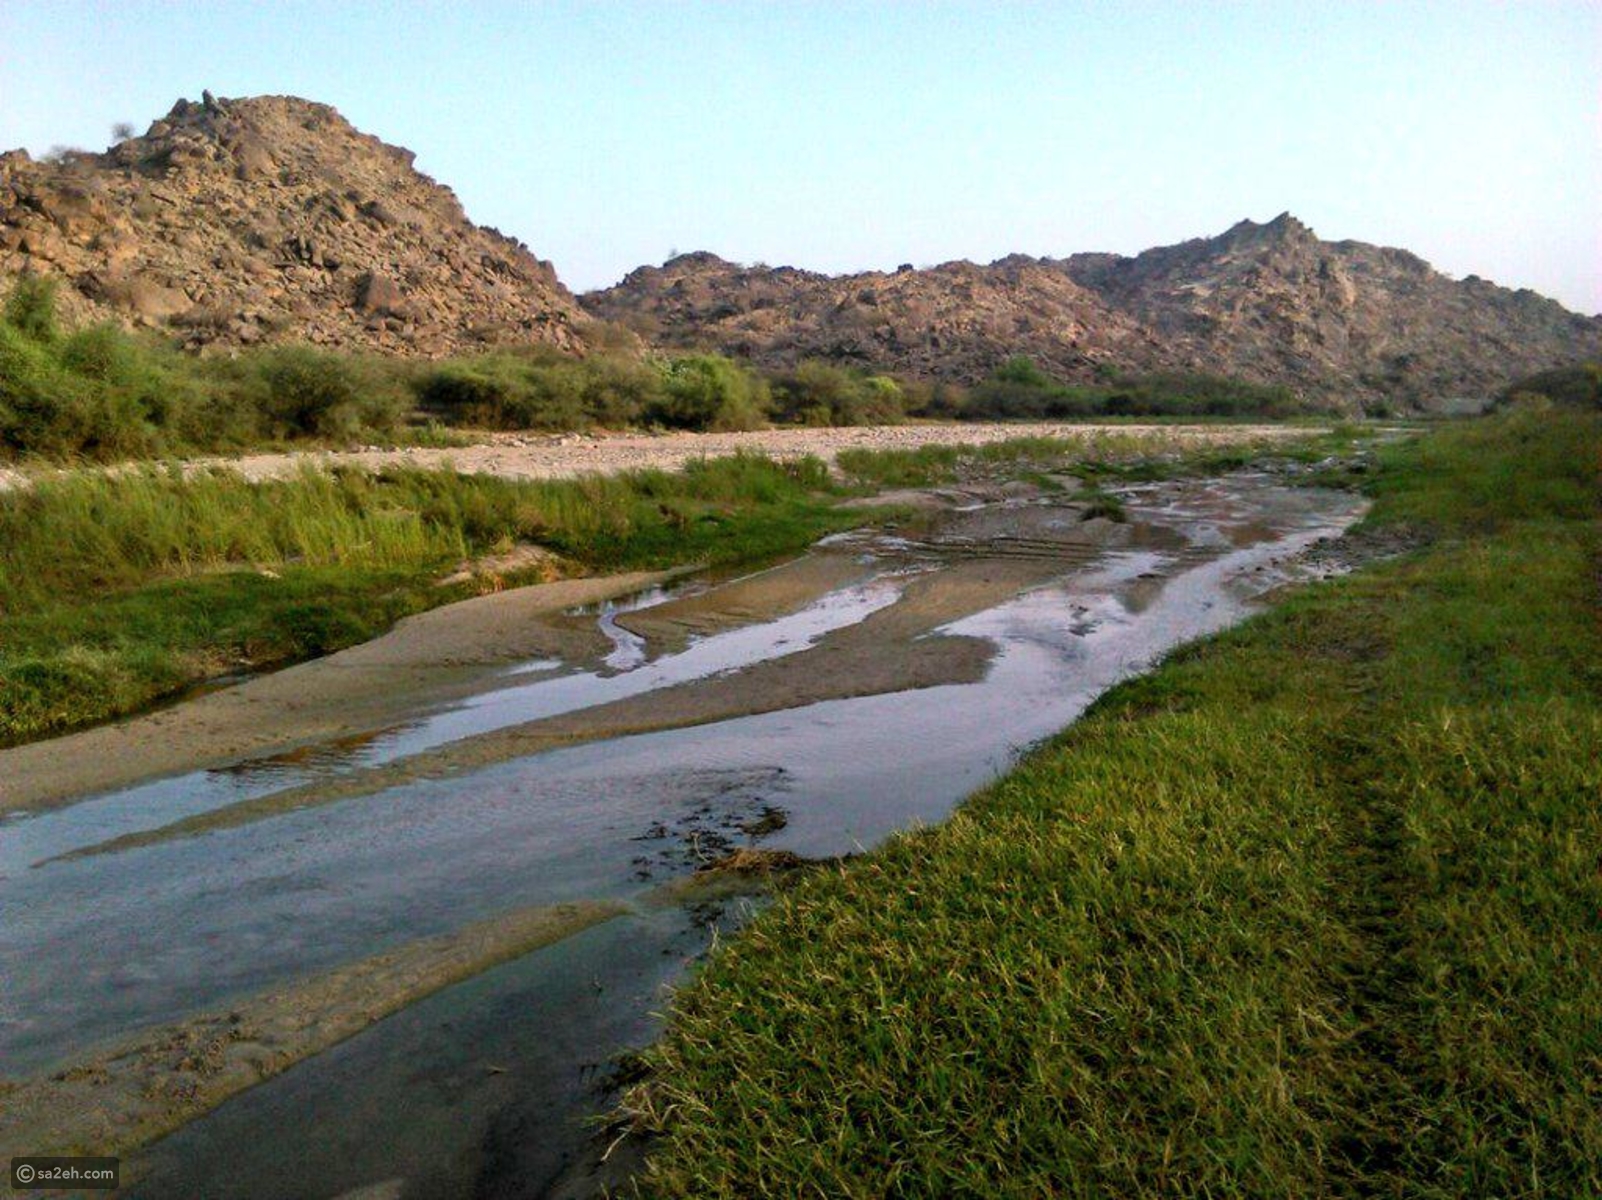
1342	323
232	222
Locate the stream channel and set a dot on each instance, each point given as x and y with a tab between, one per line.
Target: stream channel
815	707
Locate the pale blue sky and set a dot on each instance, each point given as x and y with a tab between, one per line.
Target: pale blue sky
843	136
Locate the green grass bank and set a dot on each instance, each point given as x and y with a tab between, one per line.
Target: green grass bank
1315	909
116	591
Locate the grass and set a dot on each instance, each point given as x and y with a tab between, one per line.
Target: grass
119	590
116	591
1104	456
1314	909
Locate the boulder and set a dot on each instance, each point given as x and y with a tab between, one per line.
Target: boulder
146	298
379	296
254	161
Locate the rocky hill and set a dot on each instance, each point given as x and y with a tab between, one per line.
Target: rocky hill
232	222
1343	323
239	221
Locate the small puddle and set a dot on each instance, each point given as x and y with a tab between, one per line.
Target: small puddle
182	925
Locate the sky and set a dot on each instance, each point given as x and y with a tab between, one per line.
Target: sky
850	136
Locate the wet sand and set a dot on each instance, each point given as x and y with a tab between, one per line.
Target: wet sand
761	596
428	659
127	1095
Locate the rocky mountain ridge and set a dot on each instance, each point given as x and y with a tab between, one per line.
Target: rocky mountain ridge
1344	323
231	222
235	222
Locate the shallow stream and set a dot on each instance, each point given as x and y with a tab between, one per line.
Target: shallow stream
482	1089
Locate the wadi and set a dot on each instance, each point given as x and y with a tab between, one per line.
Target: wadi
1084	725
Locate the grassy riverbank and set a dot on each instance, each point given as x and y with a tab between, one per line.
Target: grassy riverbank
1312	910
117	590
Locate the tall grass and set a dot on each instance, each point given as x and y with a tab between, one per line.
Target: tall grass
1101	454
1312	910
117	589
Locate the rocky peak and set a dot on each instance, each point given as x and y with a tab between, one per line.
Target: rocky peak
1282	230
1341	323
233	221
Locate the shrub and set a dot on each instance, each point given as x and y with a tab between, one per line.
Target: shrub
708	391
31	309
299	390
822	393
540	390
1020	389
38	397
1579	386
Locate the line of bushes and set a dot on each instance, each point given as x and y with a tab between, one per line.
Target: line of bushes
102	392
1020	389
105	393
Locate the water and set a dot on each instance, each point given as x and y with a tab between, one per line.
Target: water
185	925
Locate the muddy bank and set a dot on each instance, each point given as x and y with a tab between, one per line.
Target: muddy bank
129	1094
428	659
972	562
744	872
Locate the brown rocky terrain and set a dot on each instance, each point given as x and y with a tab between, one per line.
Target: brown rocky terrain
1341	323
272	218
233	222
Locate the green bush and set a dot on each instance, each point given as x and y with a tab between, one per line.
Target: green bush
31	309
822	393
299	390
1019	389
708	391
38	397
540	390
98	391
1579	386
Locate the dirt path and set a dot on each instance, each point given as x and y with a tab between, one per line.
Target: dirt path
533	456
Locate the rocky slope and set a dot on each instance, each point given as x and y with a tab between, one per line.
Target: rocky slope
1343	323
239	221
232	222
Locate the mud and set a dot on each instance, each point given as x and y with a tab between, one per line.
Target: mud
150	1084
742	872
426	660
